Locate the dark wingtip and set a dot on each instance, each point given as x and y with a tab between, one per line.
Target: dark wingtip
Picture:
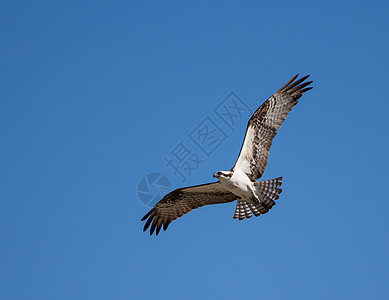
295	77
297	88
158	229
295	83
289	82
165	226
305	77
147	215
306	89
148	222
152	228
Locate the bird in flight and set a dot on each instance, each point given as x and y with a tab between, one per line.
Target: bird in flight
240	183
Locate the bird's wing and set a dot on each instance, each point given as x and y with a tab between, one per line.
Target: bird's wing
183	200
263	125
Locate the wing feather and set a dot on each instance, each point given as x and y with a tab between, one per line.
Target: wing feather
263	125
183	200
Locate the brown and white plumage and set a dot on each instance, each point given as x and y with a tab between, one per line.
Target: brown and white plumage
263	126
254	197
269	192
181	201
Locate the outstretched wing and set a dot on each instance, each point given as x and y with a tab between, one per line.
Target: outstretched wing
182	201
263	126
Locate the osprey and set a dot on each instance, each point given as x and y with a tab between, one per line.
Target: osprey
240	183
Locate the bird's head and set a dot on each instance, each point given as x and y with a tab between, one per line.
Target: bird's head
223	174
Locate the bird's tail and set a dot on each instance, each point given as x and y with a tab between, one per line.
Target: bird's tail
267	192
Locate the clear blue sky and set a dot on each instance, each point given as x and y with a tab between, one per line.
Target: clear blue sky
95	94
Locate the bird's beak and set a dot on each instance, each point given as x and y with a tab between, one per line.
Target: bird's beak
215	175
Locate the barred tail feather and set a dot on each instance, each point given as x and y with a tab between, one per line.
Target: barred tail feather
267	192
242	210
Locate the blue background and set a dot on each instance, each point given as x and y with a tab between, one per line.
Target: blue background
94	94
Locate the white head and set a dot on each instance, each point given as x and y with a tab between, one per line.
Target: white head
223	175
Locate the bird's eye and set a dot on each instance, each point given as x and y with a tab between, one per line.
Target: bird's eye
219	173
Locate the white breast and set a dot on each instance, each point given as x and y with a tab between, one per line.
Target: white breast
239	184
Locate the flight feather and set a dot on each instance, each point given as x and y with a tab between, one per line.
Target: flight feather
263	125
183	200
